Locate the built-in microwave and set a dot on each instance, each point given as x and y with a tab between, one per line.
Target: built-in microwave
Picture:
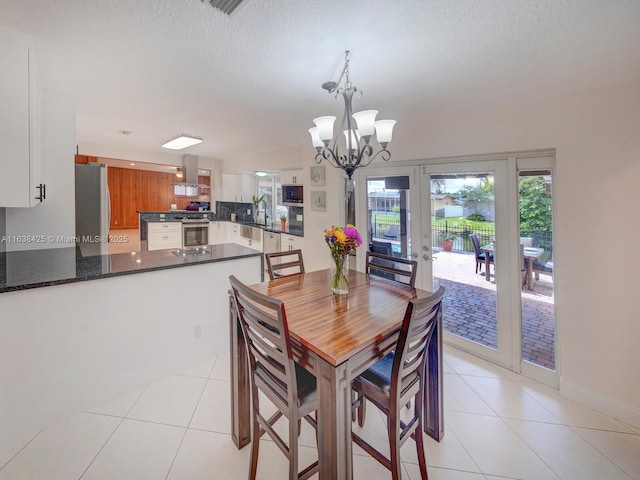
292	195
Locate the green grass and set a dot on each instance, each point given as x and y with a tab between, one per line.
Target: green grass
441	223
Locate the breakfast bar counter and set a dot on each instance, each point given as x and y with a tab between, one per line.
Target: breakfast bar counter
27	269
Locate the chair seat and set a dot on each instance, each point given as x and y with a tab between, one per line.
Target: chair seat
379	374
542	266
481	256
307	391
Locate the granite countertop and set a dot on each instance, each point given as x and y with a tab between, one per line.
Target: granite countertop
177	215
28	269
277	228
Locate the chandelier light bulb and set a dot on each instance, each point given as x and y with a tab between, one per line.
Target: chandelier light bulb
384	131
366	120
315	138
354	139
325	128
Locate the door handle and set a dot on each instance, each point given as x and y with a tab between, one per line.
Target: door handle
425	257
425	248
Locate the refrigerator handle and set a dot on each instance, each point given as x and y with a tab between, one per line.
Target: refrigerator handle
108	209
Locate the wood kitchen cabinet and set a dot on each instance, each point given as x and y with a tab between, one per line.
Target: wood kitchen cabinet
163	235
20	158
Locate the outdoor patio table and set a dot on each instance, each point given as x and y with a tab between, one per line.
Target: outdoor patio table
336	337
530	254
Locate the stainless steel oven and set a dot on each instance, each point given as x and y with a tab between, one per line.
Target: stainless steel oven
195	232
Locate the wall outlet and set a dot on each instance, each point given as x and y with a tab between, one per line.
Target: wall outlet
197	330
299	218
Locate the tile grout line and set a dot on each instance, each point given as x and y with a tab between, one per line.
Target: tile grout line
20	450
122	419
173	460
502	419
631	477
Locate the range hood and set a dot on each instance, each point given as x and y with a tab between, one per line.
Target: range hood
189	170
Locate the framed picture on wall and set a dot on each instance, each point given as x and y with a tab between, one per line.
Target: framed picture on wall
318	201
317	176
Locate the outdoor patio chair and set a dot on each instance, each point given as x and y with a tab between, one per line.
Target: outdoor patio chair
393	232
480	256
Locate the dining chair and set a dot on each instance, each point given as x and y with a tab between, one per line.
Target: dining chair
480	256
398	269
398	377
273	372
277	262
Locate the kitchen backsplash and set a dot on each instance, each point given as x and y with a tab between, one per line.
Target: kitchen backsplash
225	209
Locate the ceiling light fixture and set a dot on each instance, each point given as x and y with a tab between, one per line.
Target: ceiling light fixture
359	151
181	141
261	174
179	173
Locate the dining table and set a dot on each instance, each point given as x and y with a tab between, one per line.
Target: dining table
336	337
530	254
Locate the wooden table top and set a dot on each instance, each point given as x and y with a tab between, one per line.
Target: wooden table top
336	327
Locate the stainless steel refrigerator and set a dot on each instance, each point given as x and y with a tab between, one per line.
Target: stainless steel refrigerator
93	209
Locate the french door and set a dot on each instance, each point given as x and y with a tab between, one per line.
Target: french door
463	204
412	210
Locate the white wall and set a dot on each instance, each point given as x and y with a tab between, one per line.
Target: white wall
67	348
286	158
56	215
597	142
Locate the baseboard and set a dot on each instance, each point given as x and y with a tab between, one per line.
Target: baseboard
613	408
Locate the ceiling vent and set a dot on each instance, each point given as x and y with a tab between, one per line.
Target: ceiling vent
225	6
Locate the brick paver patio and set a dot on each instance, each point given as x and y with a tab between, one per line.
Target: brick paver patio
469	307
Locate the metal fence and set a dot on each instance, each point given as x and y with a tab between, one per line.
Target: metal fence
381	227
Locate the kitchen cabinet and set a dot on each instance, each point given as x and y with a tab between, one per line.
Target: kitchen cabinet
237	187
217	233
233	233
291	176
163	235
20	157
288	243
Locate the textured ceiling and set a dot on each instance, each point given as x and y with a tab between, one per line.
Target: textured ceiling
250	82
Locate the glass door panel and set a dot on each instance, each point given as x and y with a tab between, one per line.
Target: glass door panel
391	200
463	208
535	202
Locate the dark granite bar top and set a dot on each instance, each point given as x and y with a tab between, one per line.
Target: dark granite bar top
28	269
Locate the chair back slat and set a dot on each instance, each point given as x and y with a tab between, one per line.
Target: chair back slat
398	269
415	333
277	262
264	326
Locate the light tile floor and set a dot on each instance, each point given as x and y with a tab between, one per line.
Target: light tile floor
498	426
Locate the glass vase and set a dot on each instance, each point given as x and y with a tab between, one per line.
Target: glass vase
340	274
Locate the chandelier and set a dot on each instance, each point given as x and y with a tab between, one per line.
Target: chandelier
357	136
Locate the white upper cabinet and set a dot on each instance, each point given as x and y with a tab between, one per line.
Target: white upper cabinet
20	159
291	176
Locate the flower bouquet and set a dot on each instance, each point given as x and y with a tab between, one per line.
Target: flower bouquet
341	241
